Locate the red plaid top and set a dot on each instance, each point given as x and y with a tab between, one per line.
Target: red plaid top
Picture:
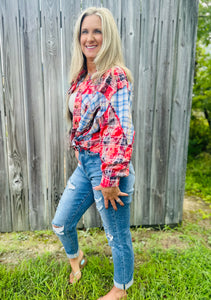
102	122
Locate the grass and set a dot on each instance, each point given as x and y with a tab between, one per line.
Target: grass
169	264
172	264
171	274
198	177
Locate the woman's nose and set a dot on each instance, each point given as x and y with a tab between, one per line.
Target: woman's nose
90	37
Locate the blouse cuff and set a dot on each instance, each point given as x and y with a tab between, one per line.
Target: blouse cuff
109	182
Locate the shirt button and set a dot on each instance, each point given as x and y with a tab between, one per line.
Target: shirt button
76	123
76	106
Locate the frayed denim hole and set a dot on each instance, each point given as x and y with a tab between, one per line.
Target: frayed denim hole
70	186
58	230
99	203
109	237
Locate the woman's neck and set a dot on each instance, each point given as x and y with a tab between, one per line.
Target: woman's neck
91	68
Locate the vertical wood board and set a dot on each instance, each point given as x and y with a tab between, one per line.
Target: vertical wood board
5	206
162	108
15	115
90	3
181	110
52	79
34	103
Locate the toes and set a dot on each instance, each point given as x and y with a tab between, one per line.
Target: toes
75	277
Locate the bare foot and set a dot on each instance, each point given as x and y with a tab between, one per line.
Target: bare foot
75	275
115	294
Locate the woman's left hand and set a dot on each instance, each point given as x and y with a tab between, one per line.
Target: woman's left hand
111	194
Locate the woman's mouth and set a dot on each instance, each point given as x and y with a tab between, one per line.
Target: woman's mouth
91	47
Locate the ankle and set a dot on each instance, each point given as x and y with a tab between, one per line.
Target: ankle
75	262
78	258
116	293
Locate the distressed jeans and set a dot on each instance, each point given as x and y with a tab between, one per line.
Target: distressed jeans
78	196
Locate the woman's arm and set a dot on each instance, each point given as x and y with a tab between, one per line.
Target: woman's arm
117	137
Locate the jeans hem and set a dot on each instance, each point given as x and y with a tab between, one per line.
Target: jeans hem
123	286
73	255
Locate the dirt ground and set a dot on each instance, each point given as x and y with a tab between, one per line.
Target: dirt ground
16	246
195	209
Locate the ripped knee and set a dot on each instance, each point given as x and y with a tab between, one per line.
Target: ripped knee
70	186
59	230
109	237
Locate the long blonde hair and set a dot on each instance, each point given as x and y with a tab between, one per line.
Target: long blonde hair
110	54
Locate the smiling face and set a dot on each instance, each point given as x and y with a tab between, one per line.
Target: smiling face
91	38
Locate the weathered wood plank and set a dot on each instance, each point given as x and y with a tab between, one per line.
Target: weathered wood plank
90	3
130	15
184	25
162	109
34	108
52	80
145	112
5	205
15	114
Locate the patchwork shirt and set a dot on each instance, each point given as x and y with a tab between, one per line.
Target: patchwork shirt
102	122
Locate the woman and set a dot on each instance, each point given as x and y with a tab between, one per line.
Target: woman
102	135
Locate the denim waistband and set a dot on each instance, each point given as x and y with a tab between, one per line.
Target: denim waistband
87	152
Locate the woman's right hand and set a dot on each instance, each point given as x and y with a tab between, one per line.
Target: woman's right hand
77	155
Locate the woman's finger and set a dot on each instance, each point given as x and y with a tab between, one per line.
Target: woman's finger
120	202
122	194
77	155
113	203
97	188
106	203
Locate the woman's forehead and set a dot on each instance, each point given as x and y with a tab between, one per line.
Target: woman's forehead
91	21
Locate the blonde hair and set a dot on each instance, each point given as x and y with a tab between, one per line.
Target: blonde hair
110	54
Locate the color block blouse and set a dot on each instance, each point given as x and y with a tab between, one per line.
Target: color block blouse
102	122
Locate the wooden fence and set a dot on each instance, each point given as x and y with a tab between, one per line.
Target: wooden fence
158	39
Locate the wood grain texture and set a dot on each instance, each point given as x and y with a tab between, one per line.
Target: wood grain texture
15	115
160	60
52	80
183	47
5	205
90	3
34	108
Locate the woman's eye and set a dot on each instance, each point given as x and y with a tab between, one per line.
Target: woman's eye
85	31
